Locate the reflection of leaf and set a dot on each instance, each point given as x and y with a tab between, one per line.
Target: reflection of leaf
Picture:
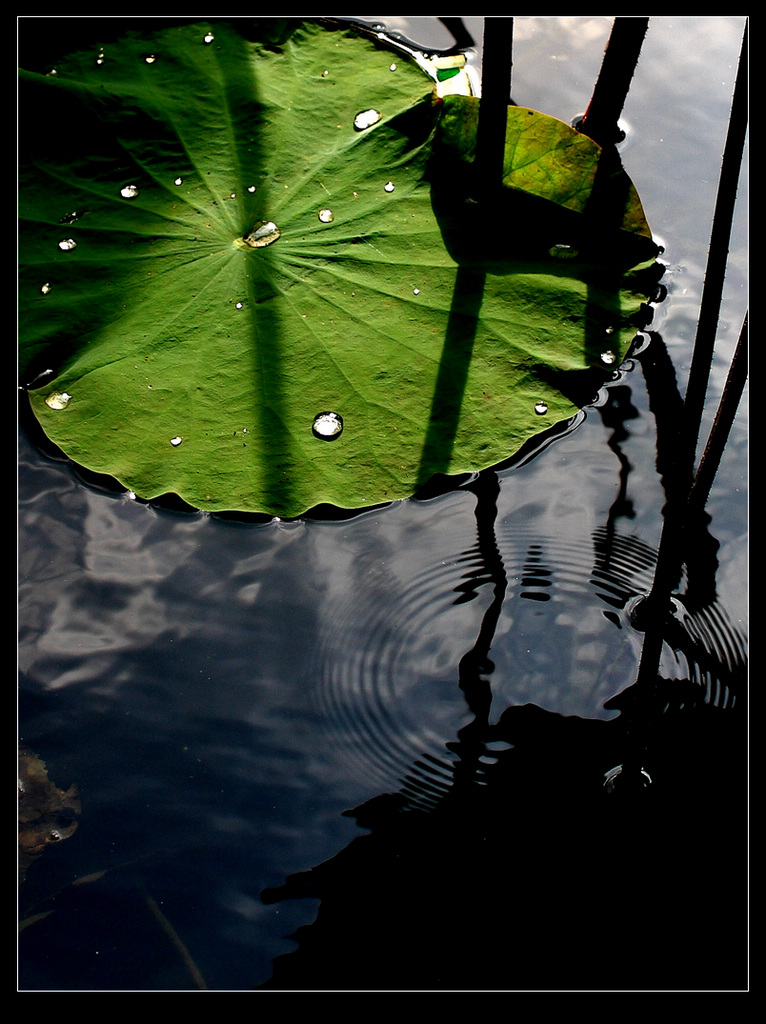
46	813
195	363
33	919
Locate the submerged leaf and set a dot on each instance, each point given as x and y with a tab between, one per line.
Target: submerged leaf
246	258
47	814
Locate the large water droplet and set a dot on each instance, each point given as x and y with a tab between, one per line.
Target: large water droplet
175	441
67	243
58	400
541	408
129	191
150	58
178	181
622	780
208	38
46	288
608	357
366	119
389	186
264	233
326	216
327	426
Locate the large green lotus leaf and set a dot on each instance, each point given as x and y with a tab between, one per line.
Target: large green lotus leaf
444	333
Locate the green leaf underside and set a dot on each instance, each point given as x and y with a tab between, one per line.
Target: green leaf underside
408	314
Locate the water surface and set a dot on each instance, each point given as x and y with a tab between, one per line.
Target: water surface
224	693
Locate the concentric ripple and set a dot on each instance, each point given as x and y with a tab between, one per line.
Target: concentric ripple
546	620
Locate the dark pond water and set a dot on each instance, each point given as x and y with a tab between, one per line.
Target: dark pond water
389	734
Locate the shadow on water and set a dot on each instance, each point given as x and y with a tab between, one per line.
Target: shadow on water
513	860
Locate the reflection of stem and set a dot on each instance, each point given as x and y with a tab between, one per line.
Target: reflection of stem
463	38
732	392
673	540
677	528
475	664
172	934
715	273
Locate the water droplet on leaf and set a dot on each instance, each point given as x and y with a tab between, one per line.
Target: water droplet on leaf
264	233
541	408
67	243
389	186
366	119
327	425
561	251
175	441
608	357
209	38
326	216
129	192
150	58
45	288
178	181
58	400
